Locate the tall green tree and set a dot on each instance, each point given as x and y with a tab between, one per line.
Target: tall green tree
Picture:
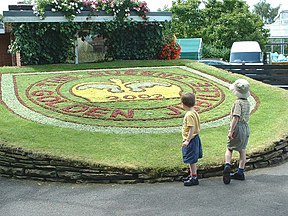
227	21
266	11
186	18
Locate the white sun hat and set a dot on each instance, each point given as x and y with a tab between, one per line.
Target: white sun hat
240	88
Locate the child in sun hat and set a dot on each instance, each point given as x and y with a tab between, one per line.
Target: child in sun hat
191	144
239	130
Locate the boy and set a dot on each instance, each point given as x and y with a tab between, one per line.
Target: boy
191	145
239	130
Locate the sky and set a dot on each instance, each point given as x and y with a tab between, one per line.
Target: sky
155	4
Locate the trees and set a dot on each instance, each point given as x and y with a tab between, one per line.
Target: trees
266	11
229	21
187	18
219	23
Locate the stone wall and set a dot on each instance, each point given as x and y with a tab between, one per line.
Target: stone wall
277	153
14	162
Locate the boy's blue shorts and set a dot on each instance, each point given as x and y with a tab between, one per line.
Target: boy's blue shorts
193	151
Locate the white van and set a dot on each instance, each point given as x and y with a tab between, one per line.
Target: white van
246	52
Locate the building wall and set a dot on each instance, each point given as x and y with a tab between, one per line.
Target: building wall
5	57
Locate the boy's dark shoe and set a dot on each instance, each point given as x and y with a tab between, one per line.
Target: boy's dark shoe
186	178
191	182
238	176
226	174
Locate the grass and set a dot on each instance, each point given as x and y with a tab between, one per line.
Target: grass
85	66
140	151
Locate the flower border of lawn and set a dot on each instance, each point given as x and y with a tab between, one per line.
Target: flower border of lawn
12	100
269	146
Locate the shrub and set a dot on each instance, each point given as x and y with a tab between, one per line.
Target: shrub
132	40
210	51
170	49
44	43
124	38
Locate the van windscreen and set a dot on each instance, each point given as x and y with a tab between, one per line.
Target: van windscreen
252	57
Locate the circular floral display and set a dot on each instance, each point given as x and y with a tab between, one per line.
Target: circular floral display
126	100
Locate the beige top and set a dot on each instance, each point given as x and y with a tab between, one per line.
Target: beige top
241	108
191	118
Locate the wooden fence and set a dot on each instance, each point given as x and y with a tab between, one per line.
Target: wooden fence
272	74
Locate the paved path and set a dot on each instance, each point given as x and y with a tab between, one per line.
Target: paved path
264	193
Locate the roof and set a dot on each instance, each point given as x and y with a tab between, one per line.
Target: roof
279	29
246	46
21	13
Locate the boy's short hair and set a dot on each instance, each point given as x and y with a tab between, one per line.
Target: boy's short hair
188	99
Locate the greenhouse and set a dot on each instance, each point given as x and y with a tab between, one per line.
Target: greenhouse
278	39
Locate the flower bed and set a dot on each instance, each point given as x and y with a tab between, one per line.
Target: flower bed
126	101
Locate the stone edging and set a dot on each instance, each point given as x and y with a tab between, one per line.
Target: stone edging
17	163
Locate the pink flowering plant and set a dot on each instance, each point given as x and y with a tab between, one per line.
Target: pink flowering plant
120	9
70	8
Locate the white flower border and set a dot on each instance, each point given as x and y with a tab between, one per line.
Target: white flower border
10	99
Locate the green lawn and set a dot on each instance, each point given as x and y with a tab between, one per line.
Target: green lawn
157	151
100	65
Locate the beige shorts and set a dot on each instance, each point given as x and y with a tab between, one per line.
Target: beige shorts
241	135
